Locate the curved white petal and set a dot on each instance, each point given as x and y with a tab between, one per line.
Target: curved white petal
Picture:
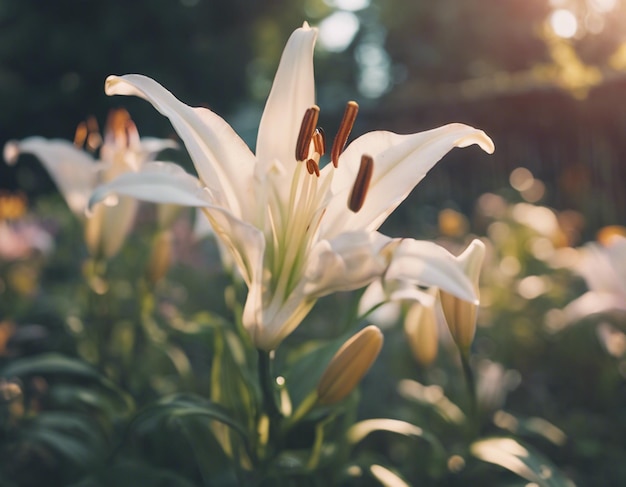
151	146
592	303
471	260
244	241
268	326
400	163
427	264
292	93
222	159
157	182
162	182
108	226
73	170
349	261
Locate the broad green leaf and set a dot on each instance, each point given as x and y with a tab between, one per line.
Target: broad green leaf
183	432
53	365
303	373
74	438
50	364
521	460
180	406
88	399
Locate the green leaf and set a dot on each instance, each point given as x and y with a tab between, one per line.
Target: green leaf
194	423
304	371
359	431
433	398
129	474
530	427
521	460
230	388
74	438
56	366
51	364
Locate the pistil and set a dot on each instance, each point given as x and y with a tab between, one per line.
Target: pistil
361	184
347	122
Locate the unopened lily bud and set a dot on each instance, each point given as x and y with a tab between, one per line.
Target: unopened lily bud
461	318
160	257
349	365
420	327
461	315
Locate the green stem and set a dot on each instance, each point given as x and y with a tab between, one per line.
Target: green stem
304	408
268	389
471	389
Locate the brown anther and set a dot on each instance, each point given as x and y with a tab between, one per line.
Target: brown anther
81	135
312	167
361	184
92	124
319	141
309	122
347	122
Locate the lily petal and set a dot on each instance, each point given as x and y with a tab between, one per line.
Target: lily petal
400	163
268	326
72	170
151	146
161	182
427	264
108	226
349	261
157	182
292	93
223	161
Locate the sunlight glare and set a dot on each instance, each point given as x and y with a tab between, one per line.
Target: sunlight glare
337	31
350	5
603	6
563	23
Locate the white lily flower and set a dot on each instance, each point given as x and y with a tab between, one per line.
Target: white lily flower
297	232
603	266
76	173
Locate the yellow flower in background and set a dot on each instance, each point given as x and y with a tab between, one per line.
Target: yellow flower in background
76	173
298	231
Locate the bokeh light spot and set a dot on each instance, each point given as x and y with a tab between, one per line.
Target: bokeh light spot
563	23
337	31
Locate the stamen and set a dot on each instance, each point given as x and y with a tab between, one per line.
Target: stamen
347	122
312	167
319	141
94	139
361	184
81	135
309	122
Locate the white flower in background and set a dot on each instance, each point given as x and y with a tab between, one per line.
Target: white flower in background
603	266
297	231
382	301
76	173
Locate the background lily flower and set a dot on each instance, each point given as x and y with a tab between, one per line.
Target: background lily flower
603	267
297	231
76	173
